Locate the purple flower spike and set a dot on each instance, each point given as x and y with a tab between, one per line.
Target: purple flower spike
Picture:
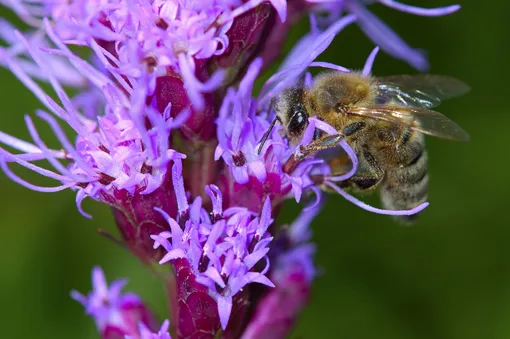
114	313
256	29
219	255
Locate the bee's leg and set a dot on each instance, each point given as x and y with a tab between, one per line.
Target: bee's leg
322	143
367	181
368	176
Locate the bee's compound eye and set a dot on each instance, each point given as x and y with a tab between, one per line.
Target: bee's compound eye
298	123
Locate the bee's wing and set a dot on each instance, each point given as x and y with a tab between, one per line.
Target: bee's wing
425	90
417	118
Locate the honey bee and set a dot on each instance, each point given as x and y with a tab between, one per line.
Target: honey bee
384	120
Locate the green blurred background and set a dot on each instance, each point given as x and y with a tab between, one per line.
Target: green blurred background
447	277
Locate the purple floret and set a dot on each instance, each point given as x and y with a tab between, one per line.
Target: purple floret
223	251
113	311
113	151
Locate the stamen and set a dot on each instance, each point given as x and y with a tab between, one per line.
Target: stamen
161	23
101	53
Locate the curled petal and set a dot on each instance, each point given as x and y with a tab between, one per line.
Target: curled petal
369	208
440	11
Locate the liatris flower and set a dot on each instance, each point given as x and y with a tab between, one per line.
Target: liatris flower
167	130
116	314
220	251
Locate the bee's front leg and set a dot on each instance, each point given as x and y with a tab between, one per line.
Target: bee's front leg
320	144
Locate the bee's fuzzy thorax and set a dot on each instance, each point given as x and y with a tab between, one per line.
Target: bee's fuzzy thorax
347	89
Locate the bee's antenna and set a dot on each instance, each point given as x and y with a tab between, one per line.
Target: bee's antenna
266	135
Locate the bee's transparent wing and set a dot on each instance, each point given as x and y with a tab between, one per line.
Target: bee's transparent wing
425	90
417	118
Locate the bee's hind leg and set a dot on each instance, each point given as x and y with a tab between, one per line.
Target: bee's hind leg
362	182
367	178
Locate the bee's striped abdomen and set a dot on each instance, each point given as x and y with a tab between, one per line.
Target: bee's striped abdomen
407	187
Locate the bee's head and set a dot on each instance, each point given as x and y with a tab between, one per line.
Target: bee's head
291	113
297	121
